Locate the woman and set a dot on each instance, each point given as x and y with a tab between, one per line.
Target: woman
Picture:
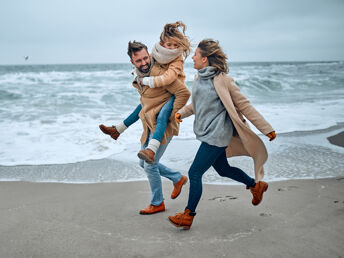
219	107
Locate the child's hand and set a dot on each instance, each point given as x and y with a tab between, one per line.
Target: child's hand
148	81
177	118
271	135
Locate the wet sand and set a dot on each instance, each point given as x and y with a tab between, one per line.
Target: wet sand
297	218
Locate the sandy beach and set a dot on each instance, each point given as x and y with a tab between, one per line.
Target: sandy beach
298	218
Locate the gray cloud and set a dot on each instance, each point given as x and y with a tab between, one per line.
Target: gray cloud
98	31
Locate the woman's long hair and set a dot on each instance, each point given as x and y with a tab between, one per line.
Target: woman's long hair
216	57
171	30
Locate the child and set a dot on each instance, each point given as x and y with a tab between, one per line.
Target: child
169	51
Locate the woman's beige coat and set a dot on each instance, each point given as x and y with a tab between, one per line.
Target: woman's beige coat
245	142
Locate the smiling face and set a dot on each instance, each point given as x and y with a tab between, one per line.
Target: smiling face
141	60
170	44
199	61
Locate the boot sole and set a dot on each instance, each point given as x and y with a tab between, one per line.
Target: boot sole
264	190
179	226
181	189
145	158
150	213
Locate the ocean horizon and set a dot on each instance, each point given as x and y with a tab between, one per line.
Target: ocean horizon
187	62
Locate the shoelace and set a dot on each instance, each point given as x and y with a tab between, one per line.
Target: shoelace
180	214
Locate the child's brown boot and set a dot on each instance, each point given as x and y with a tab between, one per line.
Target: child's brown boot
110	130
147	155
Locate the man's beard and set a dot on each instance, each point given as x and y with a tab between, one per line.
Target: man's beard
144	70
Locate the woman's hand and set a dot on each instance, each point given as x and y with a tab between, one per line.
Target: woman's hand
177	118
271	135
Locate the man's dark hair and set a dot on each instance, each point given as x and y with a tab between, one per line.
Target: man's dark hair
134	47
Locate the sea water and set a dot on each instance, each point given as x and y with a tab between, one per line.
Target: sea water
49	115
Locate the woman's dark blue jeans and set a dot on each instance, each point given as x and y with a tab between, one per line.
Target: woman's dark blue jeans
207	156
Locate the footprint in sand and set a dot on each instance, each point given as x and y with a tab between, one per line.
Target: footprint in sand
288	188
214	198
265	214
222	199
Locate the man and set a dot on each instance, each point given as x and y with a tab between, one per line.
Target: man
152	100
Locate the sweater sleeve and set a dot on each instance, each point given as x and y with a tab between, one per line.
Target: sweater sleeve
186	111
245	107
175	68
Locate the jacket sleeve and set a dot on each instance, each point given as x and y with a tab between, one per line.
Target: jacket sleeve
175	68
245	107
182	94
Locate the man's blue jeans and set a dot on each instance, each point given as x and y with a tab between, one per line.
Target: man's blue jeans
156	170
207	156
161	120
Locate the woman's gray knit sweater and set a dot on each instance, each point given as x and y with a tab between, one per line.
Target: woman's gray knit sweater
212	123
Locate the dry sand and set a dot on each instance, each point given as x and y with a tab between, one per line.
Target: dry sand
300	218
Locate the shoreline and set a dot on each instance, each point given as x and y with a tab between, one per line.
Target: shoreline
313	156
232	183
102	220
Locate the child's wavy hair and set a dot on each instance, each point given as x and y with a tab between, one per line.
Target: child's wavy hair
171	30
217	58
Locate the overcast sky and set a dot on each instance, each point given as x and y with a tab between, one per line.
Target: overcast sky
84	31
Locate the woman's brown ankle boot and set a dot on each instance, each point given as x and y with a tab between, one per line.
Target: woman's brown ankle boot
183	219
258	192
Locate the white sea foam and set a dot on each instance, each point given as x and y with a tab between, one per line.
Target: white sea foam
299	155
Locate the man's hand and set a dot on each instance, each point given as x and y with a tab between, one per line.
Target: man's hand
177	118
271	135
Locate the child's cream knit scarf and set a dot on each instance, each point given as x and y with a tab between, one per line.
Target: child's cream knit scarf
164	55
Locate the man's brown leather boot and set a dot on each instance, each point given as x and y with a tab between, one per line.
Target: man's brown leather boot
110	130
258	191
183	219
147	155
178	187
151	209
